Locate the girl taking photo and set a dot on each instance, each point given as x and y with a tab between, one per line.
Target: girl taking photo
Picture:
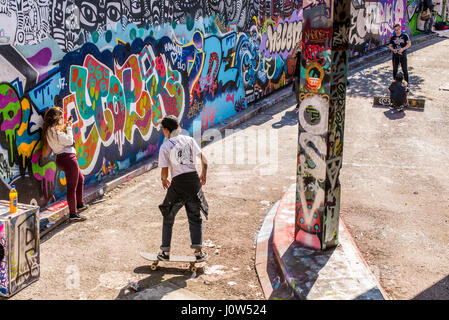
58	136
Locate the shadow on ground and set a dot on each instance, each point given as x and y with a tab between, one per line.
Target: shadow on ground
290	118
159	287
439	291
55	231
376	82
281	289
394	115
304	267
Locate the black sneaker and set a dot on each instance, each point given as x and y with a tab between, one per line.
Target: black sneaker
82	208
76	218
163	256
201	256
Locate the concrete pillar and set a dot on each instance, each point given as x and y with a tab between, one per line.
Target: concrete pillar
325	35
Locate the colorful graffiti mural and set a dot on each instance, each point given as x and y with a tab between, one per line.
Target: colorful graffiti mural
372	23
118	67
440	13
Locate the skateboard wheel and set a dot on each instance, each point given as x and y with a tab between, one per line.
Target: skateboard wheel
193	269
153	267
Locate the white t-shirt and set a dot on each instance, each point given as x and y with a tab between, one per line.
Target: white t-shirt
61	142
179	155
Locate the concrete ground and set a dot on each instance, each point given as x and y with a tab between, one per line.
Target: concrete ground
395	178
394	201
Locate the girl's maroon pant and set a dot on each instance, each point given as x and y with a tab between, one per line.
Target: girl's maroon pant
68	163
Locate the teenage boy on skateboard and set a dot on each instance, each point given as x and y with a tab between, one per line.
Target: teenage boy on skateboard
177	155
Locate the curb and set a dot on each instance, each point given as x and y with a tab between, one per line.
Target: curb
264	251
340	273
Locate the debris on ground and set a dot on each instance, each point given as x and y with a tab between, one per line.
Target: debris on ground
208	243
216	269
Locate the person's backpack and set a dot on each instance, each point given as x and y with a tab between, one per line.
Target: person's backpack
440	25
425	15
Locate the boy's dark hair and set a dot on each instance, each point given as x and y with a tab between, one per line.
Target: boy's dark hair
170	123
399	76
397	25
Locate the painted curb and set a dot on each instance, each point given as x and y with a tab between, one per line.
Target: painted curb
264	250
337	274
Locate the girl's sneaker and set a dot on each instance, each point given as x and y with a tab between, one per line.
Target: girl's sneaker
163	256
82	207
75	217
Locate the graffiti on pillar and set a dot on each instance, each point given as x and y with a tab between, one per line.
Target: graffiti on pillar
334	160
321	113
119	66
313	117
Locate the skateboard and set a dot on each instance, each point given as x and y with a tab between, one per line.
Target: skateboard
412	103
194	265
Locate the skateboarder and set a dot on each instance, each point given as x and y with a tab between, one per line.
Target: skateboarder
399	43
398	92
177	155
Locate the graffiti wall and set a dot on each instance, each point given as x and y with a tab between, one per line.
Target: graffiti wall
440	12
4	273
119	66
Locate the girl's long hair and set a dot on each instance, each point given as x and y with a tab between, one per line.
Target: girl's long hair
51	119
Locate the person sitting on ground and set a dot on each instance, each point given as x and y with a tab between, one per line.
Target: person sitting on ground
398	92
177	155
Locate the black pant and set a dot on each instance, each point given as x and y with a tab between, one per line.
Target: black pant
402	59
185	190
